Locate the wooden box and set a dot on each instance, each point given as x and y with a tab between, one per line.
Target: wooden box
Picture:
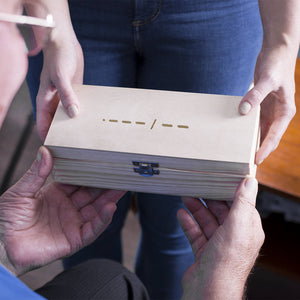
175	143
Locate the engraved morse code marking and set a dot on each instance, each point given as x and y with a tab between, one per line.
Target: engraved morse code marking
128	122
153	124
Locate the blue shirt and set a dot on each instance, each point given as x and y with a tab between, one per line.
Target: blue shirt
11	288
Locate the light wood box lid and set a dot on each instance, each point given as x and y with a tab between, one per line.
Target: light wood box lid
158	123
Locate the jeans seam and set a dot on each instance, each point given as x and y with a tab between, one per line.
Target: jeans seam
150	19
137	40
138	23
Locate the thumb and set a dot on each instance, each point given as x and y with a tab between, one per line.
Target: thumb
47	101
255	96
245	195
68	98
36	176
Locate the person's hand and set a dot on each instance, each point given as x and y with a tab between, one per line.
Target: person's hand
274	90
13	63
63	66
41	224
225	242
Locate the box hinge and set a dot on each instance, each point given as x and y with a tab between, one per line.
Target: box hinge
145	169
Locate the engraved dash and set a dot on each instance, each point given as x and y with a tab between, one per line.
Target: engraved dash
167	125
140	123
113	120
183	126
126	122
153	123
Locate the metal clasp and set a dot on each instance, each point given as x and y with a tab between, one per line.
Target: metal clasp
145	169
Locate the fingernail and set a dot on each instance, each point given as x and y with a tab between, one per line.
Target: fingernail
107	216
250	182
72	111
260	161
39	154
245	108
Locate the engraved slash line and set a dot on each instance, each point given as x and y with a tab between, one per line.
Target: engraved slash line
153	124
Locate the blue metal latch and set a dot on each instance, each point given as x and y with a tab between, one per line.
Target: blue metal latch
145	169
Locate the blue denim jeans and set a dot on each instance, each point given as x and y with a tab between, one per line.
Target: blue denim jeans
207	46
